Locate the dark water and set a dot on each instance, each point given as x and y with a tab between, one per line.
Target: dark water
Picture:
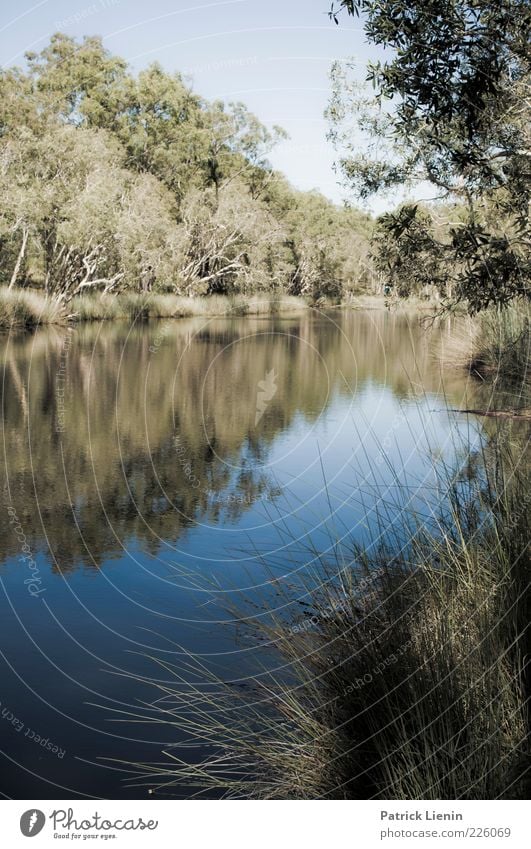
156	474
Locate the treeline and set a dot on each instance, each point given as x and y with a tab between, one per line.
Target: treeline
126	494
112	181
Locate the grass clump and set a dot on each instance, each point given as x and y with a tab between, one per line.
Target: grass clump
95	308
26	309
404	681
503	344
495	345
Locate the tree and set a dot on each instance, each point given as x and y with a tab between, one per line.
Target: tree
232	242
83	84
451	106
91	223
407	252
109	179
165	128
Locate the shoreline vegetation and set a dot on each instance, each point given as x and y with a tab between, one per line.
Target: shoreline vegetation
494	345
410	681
137	184
406	678
26	310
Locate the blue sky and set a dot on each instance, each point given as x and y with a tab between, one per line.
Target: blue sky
275	56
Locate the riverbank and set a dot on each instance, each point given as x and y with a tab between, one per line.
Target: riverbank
378	302
28	309
494	345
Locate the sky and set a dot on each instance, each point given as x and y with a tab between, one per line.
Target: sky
275	56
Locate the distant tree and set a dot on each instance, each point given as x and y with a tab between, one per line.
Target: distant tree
90	222
330	246
109	180
232	242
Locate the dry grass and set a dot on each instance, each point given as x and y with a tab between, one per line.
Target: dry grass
134	306
23	308
27	309
407	683
494	345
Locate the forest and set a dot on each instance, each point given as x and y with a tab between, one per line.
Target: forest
114	182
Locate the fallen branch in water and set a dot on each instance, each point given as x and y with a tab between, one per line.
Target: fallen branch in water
507	414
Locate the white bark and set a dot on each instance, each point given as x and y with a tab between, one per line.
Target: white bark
20	257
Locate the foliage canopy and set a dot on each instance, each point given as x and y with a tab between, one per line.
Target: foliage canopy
451	107
114	181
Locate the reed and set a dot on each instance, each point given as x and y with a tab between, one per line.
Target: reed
405	679
26	309
496	345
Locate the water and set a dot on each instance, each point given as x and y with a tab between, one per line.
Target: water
157	474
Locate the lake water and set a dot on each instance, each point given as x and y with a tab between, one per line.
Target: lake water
156	475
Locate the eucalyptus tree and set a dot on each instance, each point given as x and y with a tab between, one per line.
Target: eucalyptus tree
105	174
450	106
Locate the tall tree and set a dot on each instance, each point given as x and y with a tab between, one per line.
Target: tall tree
450	106
110	180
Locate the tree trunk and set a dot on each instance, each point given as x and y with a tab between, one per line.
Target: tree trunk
20	257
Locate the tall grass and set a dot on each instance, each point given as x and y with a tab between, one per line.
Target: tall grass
494	345
135	306
27	309
404	681
503	344
22	308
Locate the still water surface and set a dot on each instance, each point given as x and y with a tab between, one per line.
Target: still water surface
154	475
